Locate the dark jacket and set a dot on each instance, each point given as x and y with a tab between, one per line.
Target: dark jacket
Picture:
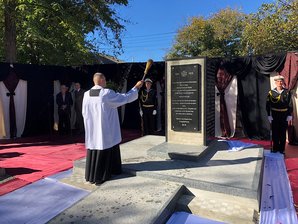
67	102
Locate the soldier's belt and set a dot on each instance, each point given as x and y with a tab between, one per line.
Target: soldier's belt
279	110
148	105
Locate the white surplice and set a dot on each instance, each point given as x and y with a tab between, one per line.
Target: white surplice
101	119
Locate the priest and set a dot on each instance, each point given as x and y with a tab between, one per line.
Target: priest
102	129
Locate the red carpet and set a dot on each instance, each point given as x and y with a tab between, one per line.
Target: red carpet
31	159
29	163
291	161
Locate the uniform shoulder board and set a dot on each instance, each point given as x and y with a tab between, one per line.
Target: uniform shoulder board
94	92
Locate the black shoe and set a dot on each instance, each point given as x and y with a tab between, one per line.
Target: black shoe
99	183
91	182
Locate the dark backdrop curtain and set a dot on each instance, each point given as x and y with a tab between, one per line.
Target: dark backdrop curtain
267	64
253	86
40	99
252	74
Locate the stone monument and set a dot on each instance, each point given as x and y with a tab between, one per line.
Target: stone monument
186	101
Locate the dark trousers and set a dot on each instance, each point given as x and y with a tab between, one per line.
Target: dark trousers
148	121
79	121
64	122
279	131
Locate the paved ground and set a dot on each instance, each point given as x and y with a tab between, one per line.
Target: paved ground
210	182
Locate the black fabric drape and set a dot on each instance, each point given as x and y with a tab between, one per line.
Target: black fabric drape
267	64
252	92
4	70
11	83
253	86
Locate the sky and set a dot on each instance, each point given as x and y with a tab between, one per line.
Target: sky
154	23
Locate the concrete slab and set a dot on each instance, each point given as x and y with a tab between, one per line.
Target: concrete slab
127	200
159	181
218	170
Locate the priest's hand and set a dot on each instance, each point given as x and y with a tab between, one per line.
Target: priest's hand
270	119
139	84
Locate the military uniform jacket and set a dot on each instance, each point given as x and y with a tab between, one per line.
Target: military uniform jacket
279	102
101	120
148	99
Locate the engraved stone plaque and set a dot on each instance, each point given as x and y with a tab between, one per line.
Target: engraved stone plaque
185	100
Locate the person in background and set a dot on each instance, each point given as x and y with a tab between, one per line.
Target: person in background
64	102
279	109
148	103
78	101
102	129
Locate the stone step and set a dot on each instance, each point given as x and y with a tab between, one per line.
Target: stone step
219	207
197	184
79	172
126	200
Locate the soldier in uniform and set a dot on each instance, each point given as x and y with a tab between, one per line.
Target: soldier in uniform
148	102
279	109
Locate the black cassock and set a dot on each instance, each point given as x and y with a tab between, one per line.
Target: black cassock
102	164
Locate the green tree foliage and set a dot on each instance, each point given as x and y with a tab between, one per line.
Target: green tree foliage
232	33
197	38
272	29
228	26
55	31
217	36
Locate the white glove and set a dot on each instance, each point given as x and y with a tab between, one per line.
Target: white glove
154	112
270	119
141	113
289	118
